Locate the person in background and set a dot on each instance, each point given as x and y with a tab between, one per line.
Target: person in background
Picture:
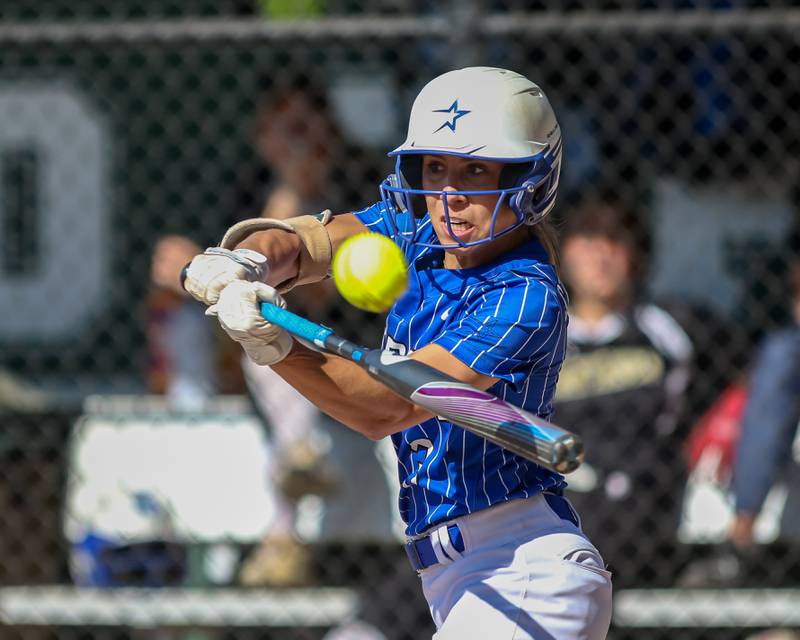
765	452
296	144
622	389
182	351
744	450
765	449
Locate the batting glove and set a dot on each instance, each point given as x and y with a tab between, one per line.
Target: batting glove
239	313
210	272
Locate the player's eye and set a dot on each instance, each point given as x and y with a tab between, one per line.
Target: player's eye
433	168
482	175
475	169
479	175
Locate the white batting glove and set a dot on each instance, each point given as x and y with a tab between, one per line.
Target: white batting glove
239	313
209	273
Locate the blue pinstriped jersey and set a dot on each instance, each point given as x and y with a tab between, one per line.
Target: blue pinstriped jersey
506	319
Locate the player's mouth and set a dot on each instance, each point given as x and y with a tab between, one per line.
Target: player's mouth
459	227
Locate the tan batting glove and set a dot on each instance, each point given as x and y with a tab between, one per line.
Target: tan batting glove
210	272
239	312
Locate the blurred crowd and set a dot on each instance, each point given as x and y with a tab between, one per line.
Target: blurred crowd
325	520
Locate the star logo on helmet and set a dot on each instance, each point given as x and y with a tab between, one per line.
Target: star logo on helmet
454	114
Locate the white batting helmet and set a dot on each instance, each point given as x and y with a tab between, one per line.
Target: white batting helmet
483	113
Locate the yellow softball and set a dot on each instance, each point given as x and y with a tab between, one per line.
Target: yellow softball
370	271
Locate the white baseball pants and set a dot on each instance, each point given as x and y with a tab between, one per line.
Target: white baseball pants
524	573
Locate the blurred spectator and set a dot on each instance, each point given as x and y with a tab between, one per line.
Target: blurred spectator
182	350
622	388
321	466
294	140
314	455
752	449
769	425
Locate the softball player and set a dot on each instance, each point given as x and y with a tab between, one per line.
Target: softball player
499	550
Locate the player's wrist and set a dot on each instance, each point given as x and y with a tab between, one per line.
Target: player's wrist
299	249
282	249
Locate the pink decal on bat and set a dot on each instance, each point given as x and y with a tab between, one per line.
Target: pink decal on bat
462	400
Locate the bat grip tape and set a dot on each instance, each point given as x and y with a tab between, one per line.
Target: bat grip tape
295	325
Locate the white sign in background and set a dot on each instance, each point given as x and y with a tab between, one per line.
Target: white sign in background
201	477
56	299
694	228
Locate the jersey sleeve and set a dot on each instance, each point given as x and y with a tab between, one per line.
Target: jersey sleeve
374	218
510	330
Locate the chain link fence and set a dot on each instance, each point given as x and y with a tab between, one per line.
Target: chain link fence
151	486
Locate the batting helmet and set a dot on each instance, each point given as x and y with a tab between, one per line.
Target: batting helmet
483	113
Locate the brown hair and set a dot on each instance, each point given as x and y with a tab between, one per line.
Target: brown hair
604	218
546	232
609	218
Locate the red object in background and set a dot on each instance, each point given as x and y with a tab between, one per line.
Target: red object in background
718	430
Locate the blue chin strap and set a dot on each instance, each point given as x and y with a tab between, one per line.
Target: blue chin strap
530	200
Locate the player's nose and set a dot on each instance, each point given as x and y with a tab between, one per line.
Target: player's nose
452	193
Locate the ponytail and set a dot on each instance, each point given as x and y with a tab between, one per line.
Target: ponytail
546	232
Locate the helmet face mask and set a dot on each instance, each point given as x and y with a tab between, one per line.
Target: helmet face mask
494	115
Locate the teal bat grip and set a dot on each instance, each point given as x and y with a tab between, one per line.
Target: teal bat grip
295	325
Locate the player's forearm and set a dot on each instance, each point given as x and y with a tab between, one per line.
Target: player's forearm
284	248
347	393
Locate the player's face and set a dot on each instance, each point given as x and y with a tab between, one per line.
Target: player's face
597	268
470	216
293	139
